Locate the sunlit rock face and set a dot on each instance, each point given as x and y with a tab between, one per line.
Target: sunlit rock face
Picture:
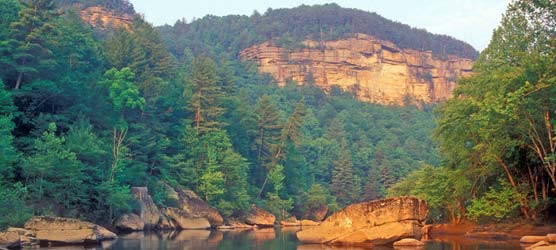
102	18
373	70
371	223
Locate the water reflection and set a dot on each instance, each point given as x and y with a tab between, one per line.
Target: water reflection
267	239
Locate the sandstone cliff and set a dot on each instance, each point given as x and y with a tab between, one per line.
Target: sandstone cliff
373	70
102	18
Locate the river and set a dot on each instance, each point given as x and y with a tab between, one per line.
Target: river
263	239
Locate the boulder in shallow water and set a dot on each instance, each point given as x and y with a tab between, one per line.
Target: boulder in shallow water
532	239
130	222
538	244
198	208
183	220
377	222
10	238
67	230
259	217
408	243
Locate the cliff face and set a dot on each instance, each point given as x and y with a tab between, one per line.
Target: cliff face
102	18
373	70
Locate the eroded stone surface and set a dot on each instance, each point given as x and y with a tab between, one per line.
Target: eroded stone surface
376	223
183	220
198	208
67	230
148	210
373	70
102	18
260	217
130	222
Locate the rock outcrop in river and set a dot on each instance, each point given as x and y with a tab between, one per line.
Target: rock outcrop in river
191	212
376	222
67	231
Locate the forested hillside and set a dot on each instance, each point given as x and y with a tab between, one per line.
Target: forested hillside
84	117
288	27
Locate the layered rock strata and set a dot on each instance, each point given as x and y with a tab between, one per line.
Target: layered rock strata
102	18
373	70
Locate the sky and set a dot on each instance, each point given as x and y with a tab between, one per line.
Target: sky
469	20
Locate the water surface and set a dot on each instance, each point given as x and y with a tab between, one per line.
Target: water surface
266	239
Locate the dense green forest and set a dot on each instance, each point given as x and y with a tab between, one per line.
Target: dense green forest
84	116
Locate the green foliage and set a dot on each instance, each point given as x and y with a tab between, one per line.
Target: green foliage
444	189
122	92
315	198
9	12
500	125
211	183
276	178
116	197
495	204
8	154
28	52
53	173
206	93
14	211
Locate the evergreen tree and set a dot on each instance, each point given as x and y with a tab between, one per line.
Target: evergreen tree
343	183
28	53
206	93
269	127
8	154
54	175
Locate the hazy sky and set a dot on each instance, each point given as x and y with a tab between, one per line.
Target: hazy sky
469	20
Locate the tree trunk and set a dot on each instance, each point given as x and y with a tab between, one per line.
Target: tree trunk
19	79
524	207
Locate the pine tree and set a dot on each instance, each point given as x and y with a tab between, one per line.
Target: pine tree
269	127
206	93
343	183
54	174
290	134
29	52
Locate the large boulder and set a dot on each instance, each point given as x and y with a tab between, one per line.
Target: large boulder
377	222
184	220
259	217
148	212
67	231
408	243
532	239
193	205
17	238
130	222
